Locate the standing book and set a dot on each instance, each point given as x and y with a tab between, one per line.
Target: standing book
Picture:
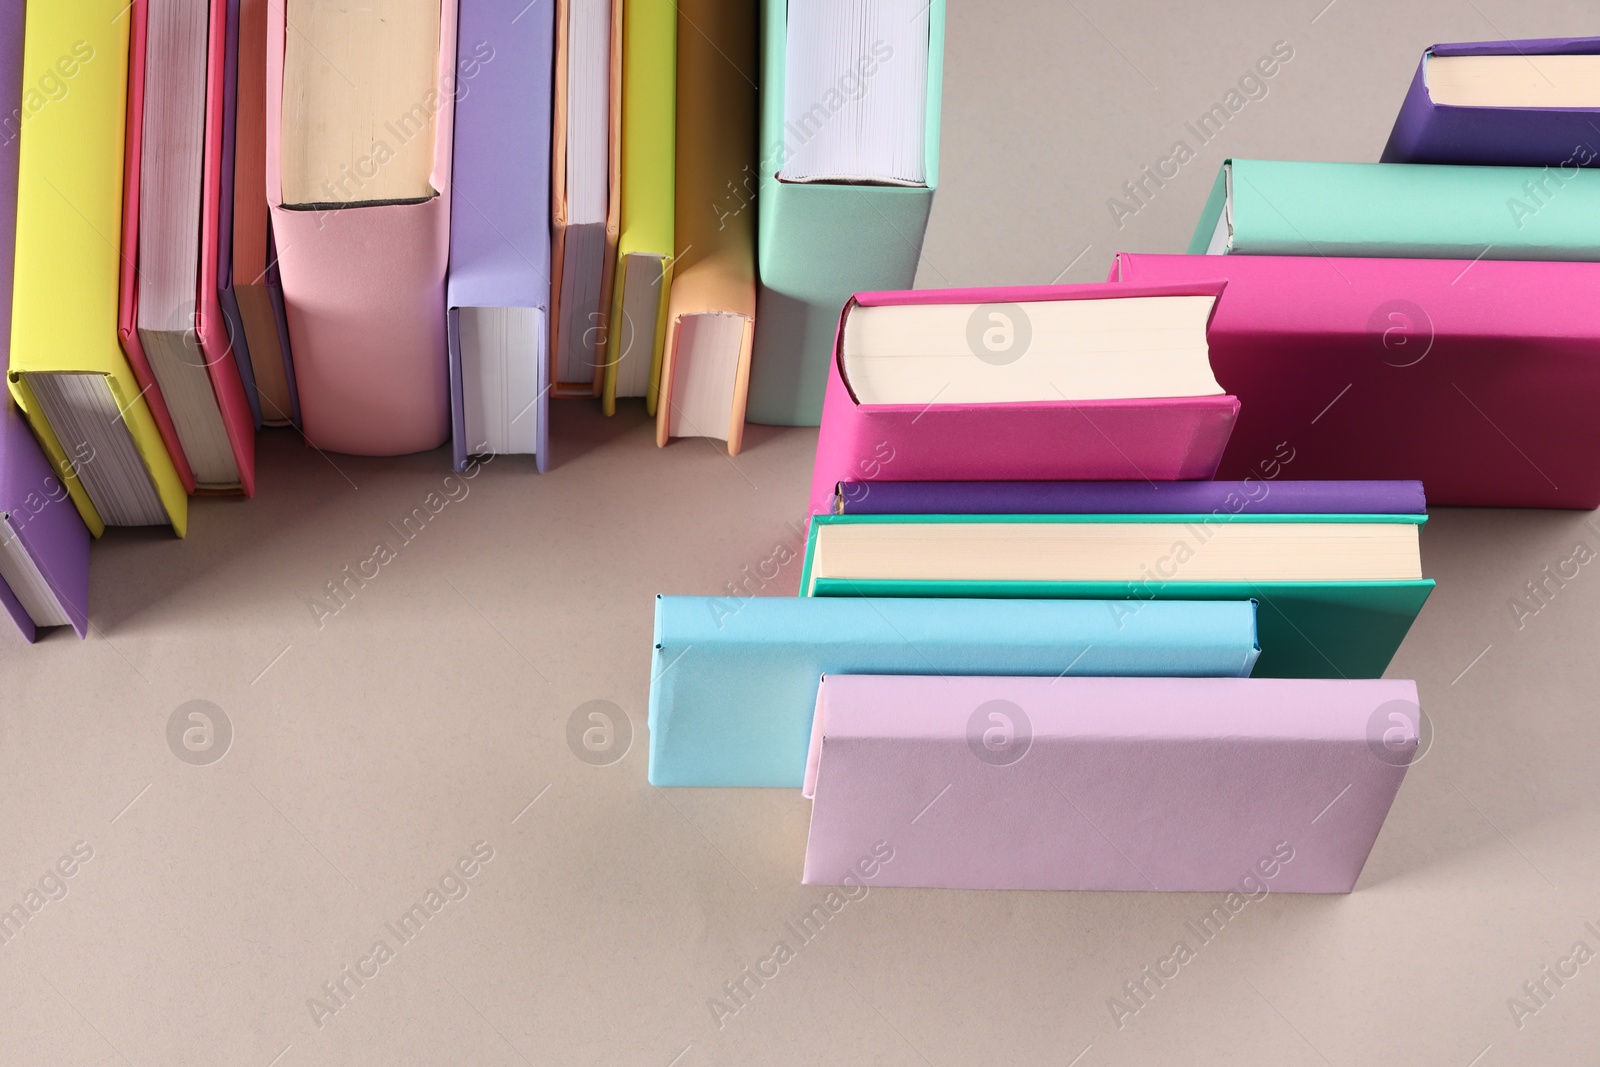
585	190
705	363
67	372
173	326
642	276
360	108
849	163
499	284
44	547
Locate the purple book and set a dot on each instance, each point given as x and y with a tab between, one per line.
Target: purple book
1427	132
1255	496
44	546
500	228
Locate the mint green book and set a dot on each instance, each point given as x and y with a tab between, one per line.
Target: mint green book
826	233
1346	627
1401	211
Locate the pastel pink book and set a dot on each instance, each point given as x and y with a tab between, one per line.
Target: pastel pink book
364	280
1480	379
1007	342
211	327
1245	785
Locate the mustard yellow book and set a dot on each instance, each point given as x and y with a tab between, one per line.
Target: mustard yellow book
643	276
68	372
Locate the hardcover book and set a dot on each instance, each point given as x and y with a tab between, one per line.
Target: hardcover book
1395	210
734	682
172	321
358	183
1532	103
1480	379
499	283
830	227
705	364
1096	382
646	252
67	372
1258	495
1335	594
1216	785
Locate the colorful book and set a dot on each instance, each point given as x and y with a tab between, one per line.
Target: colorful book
44	547
1529	103
360	107
646	252
734	681
67	372
1218	785
251	267
711	312
1335	594
499	284
585	184
1082	382
1264	494
821	240
1481	380
227	296
1274	208
172	325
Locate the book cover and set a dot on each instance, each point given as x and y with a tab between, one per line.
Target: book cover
500	233
37	513
1305	629
820	242
1218	785
649	76
69	210
1426	132
363	287
1100	440
714	212
227	296
1403	210
1259	494
734	681
1479	379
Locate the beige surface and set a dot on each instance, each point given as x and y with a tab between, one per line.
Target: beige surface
426	715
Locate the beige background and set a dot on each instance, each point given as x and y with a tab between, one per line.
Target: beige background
371	753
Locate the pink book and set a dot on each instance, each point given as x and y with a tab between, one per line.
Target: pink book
364	288
1480	379
211	327
1167	438
1241	785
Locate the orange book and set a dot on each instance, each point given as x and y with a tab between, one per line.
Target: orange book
711	309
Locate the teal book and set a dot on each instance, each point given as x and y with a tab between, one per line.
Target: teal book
734	682
1401	211
1348	627
825	233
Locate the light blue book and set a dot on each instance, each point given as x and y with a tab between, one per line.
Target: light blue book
734	682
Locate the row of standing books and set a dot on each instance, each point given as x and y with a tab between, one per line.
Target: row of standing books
401	223
1101	581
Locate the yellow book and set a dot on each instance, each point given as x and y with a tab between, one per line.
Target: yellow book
643	274
68	372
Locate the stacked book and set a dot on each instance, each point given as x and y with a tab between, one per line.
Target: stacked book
403	223
1102	580
1037	646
